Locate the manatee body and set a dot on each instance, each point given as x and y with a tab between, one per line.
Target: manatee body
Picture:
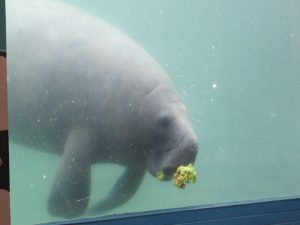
80	88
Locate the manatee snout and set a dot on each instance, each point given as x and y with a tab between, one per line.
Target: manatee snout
167	161
183	154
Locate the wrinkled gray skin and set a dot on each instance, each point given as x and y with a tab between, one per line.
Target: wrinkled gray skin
82	89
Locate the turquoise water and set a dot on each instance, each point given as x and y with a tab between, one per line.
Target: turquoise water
235	64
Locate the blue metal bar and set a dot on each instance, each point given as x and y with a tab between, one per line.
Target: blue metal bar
271	211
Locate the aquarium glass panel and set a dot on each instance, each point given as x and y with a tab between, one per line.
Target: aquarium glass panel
131	106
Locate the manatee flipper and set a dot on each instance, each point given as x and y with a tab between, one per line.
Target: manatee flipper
71	188
125	187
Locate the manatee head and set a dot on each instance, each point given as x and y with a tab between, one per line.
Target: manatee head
171	141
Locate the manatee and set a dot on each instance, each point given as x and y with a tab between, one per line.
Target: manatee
82	89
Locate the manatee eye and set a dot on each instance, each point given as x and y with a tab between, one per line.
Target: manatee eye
164	121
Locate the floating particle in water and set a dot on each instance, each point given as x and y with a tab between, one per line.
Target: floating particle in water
193	86
180	54
214	86
216	11
252	22
44	176
273	114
